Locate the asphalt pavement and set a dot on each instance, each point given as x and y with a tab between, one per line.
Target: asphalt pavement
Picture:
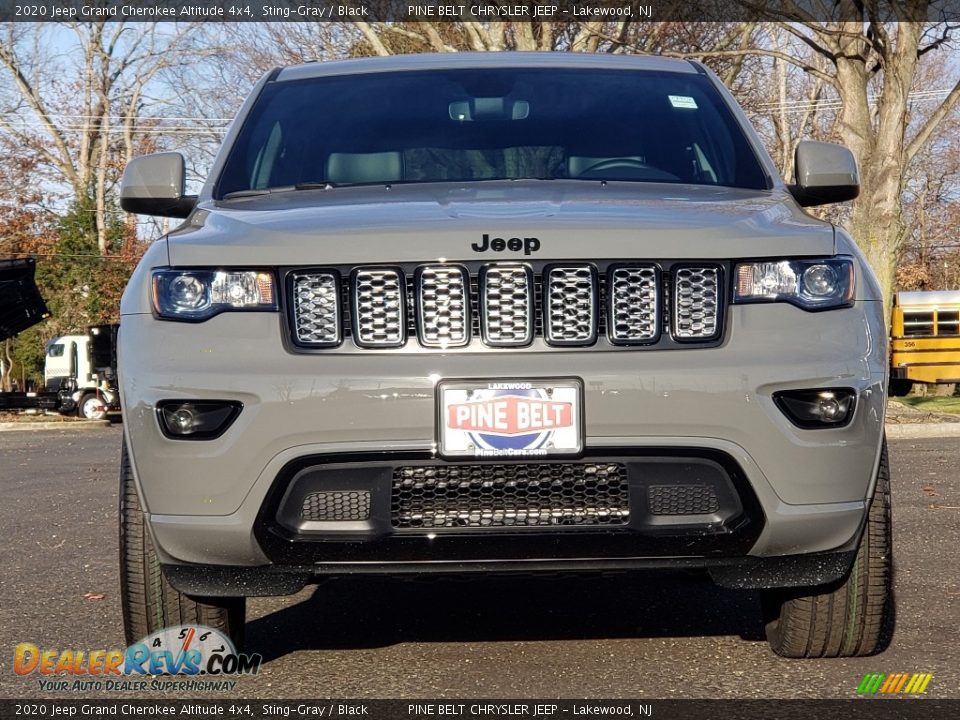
561	637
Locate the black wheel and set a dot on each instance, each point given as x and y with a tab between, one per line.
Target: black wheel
899	387
852	619
149	602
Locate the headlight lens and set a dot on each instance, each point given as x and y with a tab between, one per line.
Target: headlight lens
810	284
201	294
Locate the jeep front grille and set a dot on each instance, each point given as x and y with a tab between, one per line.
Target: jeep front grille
696	302
316	308
570	315
379	308
443	306
508	305
634	294
519	495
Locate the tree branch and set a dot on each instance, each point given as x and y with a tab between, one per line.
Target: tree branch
798	62
809	41
30	95
371	37
943	39
934	119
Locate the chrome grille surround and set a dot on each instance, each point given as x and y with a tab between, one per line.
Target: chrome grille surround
696	302
506	305
633	312
529	305
316	308
443	306
379	308
570	305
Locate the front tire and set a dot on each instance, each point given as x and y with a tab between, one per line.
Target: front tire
854	619
149	602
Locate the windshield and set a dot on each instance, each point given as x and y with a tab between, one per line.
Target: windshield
494	124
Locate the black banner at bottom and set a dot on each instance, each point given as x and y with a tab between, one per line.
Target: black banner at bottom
447	709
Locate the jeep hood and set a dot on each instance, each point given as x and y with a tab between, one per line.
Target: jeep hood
21	305
571	219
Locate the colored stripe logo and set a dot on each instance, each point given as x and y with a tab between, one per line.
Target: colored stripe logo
894	683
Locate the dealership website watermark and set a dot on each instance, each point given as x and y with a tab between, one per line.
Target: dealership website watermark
182	658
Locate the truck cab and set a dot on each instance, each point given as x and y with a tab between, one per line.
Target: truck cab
79	367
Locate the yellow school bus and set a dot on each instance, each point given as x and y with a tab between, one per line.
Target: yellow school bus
924	339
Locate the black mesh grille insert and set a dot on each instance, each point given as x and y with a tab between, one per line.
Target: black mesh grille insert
517	495
682	499
336	505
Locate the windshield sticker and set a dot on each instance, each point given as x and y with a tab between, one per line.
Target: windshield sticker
683	101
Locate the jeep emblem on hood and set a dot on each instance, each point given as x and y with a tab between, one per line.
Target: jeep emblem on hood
527	244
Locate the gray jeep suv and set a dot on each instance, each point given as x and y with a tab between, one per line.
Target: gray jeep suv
477	313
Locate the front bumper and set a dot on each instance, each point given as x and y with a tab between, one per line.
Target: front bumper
741	573
205	500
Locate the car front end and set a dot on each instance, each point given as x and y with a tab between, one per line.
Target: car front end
520	374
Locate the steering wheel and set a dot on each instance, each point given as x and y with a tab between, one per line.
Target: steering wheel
616	163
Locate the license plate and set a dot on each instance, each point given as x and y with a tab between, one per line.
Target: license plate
510	418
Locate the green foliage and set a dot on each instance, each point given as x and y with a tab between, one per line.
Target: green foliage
27	351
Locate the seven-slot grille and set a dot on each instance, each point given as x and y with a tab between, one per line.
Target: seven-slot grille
506	305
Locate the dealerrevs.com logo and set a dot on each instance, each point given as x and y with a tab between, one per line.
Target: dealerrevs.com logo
184	651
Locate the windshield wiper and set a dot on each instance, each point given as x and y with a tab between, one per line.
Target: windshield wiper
254	192
318	185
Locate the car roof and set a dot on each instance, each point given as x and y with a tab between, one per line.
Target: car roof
928	297
451	61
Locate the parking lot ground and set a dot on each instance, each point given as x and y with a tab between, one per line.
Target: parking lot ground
575	636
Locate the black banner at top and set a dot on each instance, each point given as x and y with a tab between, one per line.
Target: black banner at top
614	11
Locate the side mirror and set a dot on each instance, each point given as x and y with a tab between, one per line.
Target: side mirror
154	185
825	173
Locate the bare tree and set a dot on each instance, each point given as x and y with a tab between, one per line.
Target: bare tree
81	114
872	68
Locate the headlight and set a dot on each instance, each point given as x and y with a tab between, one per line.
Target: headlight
810	284
201	294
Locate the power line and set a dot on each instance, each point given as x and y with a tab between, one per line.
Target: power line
116	258
914	96
788	106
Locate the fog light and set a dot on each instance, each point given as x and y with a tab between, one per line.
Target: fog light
182	421
818	408
196	419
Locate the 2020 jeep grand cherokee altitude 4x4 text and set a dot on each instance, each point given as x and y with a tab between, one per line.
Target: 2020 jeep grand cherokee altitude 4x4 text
470	313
